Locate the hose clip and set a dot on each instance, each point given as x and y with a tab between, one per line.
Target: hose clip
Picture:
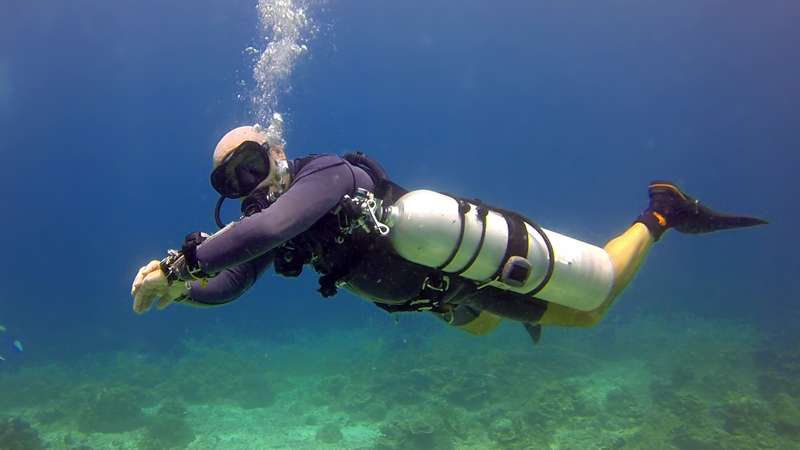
366	208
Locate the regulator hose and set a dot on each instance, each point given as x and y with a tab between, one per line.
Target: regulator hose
216	212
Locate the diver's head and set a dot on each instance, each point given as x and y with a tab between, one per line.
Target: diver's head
244	161
245	164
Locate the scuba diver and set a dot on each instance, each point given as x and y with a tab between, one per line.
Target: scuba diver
469	263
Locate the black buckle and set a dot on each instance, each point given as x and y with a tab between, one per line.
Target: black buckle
167	266
189	252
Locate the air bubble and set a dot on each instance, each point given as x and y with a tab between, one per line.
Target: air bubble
286	29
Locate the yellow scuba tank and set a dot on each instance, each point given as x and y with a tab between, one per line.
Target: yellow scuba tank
497	248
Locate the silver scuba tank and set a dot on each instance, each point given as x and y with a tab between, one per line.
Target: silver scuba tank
462	238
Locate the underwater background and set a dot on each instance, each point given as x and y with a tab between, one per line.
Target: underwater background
563	111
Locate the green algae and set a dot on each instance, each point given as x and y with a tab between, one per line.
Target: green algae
168	429
329	434
786	414
416	432
744	415
17	434
113	409
487	393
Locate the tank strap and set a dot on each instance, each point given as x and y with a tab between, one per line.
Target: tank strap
517	244
551	255
517	241
483	211
373	169
463	209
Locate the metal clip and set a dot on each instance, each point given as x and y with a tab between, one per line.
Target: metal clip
444	284
428	305
366	206
380	227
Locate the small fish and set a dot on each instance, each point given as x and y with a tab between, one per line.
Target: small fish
1	358
18	346
2	328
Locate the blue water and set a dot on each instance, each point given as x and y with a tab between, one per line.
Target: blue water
564	111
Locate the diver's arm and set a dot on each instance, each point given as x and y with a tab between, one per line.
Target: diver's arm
317	189
229	284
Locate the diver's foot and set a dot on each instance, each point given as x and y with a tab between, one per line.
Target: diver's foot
672	208
534	331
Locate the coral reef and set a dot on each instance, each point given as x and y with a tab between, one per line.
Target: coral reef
697	393
468	392
196	381
786	414
745	416
329	434
622	403
168	429
251	391
17	434
30	388
112	409
504	431
416	432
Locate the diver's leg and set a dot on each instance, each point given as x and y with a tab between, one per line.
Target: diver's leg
669	207
489	306
470	319
481	325
627	253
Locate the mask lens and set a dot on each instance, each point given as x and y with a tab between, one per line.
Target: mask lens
241	171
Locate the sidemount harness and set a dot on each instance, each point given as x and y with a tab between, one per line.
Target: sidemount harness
336	243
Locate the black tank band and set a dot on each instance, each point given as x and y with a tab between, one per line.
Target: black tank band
517	243
482	213
463	209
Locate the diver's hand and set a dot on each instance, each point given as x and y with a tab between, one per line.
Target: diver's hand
151	284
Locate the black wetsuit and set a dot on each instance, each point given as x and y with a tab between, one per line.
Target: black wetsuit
246	249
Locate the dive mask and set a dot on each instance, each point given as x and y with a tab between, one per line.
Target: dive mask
242	170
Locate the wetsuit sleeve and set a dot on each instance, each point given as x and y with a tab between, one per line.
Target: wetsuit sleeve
230	283
313	194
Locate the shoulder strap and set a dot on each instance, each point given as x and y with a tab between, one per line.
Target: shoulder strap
385	189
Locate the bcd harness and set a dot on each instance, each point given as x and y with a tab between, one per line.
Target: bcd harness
339	241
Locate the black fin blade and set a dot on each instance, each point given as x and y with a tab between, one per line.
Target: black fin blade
534	331
706	220
727	222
